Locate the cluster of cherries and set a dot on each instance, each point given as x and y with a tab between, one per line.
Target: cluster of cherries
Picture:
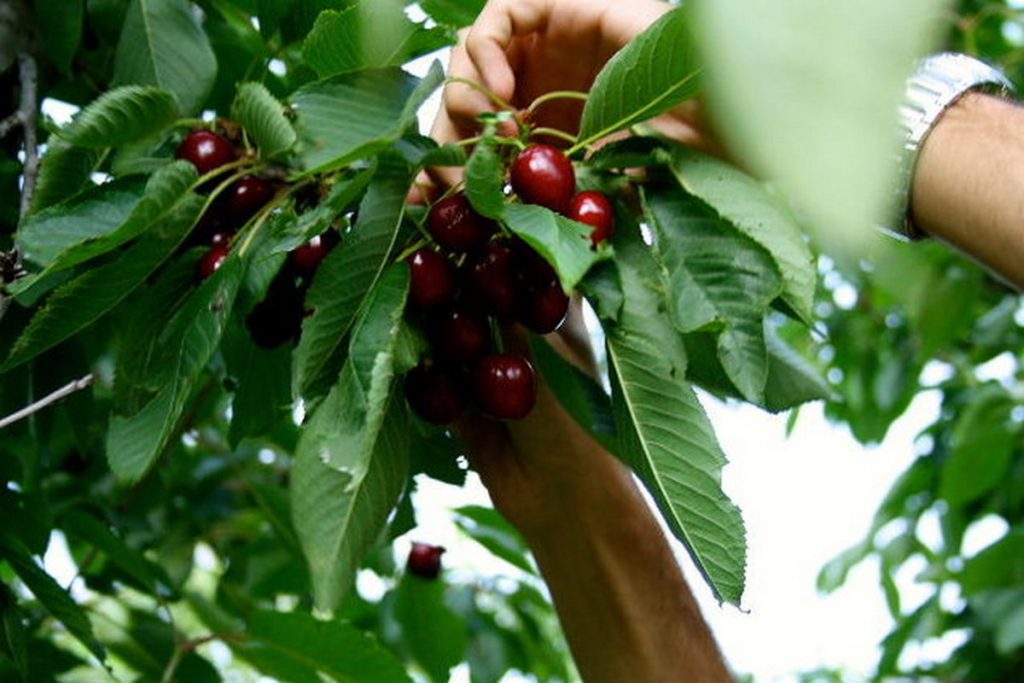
278	318
479	274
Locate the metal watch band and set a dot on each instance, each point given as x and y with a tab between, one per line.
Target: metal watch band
937	83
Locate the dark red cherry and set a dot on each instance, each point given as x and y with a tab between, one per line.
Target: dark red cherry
206	150
491	281
246	197
432	279
459	336
307	258
543	175
425	560
531	267
544	308
278	318
456	226
594	209
434	393
212	260
221	239
504	386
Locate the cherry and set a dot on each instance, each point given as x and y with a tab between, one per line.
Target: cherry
594	209
432	279
278	318
543	175
306	259
460	336
211	261
545	308
434	394
221	239
532	268
425	560
456	226
504	386
491	280
245	198
206	150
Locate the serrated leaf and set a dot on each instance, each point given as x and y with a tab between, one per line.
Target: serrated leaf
296	647
162	44
716	276
656	71
756	211
434	634
84	300
368	35
263	380
49	593
262	117
353	116
456	13
137	437
63	172
350	272
120	116
563	243
339	518
485	179
831	142
91	214
665	434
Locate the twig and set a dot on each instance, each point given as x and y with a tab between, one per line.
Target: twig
9	124
63	392
187	647
28	111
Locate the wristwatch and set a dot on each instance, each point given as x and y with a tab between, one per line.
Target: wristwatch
937	82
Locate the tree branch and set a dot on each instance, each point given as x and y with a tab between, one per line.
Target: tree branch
63	392
28	112
9	124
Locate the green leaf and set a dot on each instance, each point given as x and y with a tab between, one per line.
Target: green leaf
344	428
664	432
983	443
49	593
809	92
13	634
436	636
563	243
339	518
455	13
349	272
84	300
96	212
63	172
263	380
999	565
60	27
81	525
656	71
120	116
762	215
162	44
368	35
262	117
485	179
136	438
716	276
488	528
353	116
298	648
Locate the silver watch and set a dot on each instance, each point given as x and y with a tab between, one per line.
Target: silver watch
937	82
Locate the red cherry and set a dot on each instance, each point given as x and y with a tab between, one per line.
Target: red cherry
434	394
460	336
206	150
221	239
456	226
504	386
245	198
532	268
307	258
278	318
594	209
543	175
211	261
432	279
425	560
491	281
544	308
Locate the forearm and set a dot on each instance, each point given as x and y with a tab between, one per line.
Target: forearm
969	183
623	602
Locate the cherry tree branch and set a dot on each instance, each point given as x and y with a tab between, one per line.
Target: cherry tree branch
28	112
63	392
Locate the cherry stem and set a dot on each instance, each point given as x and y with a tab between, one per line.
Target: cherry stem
220	170
496	336
482	89
557	95
412	249
555	133
191	123
260	219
